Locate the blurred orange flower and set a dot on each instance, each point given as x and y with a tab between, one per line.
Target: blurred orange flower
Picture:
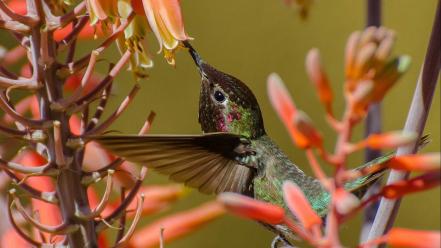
253	209
401	237
299	206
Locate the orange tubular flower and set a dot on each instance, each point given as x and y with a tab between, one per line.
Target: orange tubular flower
305	128
166	22
417	184
158	197
297	122
100	10
389	140
401	237
319	78
10	236
415	162
253	209
299	206
175	226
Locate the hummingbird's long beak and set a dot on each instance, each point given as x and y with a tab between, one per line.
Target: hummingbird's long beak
196	58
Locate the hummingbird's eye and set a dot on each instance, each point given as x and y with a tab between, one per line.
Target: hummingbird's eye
219	96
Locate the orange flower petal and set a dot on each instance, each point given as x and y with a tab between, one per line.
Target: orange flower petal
88	32
49	214
280	98
102	241
150	8
176	225
18	6
305	130
29	103
319	78
170	12
415	162
417	184
299	205
345	201
138	7
10	237
75	125
250	208
157	197
285	108
390	140
400	237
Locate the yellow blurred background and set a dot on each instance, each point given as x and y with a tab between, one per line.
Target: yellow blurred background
250	39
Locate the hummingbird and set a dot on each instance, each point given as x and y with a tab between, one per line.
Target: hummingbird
234	152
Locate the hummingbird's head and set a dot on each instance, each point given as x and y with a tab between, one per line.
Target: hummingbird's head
226	104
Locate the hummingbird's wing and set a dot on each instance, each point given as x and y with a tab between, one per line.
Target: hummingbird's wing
209	162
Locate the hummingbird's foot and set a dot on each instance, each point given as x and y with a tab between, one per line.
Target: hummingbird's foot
280	242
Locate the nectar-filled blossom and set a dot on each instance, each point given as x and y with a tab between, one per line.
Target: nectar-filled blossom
100	10
134	40
166	22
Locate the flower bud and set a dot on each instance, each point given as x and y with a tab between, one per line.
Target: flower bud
390	140
306	131
299	205
249	208
319	78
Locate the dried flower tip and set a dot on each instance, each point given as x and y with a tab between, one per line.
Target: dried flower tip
299	205
249	208
303	6
319	78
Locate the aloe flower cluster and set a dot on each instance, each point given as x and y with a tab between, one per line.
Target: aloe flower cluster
50	170
371	70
